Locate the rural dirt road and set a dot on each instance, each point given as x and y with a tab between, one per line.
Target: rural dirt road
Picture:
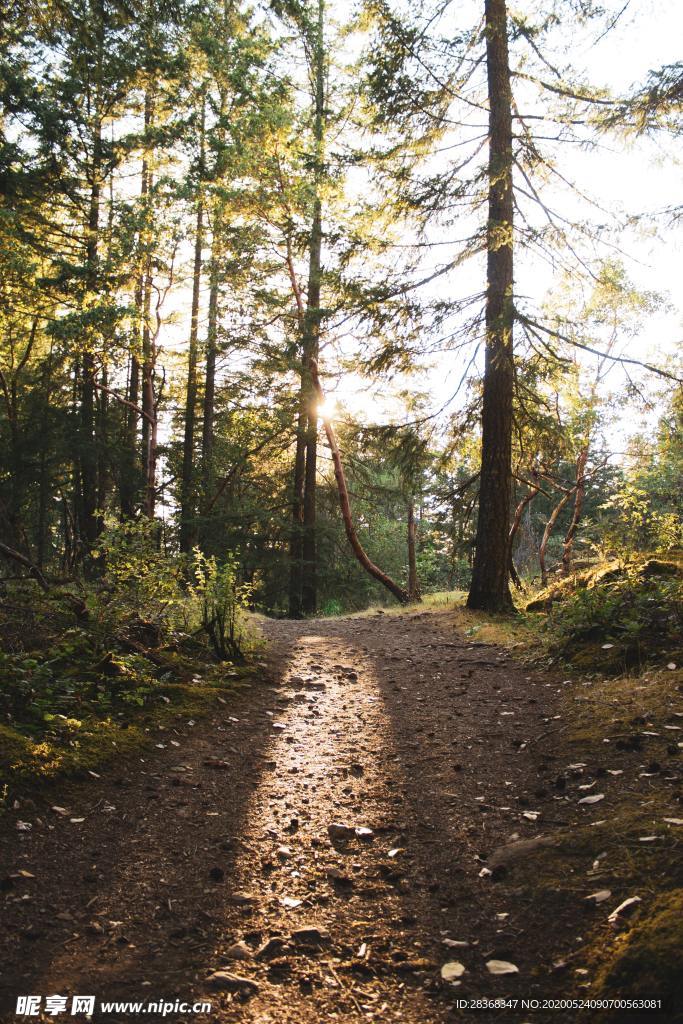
215	854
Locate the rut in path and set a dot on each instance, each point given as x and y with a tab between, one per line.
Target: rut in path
387	723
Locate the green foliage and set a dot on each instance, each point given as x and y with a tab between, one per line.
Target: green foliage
222	600
634	523
138	576
637	610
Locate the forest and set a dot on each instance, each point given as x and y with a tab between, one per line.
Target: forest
341	509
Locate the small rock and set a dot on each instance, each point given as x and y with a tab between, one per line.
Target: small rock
337	875
239	951
228	982
272	947
505	855
341	833
243	899
311	935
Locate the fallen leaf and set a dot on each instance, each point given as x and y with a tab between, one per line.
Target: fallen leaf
290	903
626	907
674	821
62	811
452	970
594	799
599	897
501	967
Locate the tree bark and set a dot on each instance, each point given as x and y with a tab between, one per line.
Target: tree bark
188	510
311	340
296	537
89	527
398	592
490	588
414	592
550	526
149	426
209	399
579	498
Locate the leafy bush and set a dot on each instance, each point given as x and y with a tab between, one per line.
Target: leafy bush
634	523
222	601
638	611
139	579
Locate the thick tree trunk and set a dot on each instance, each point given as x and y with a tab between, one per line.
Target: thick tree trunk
188	509
414	592
490	589
579	498
311	341
309	584
399	593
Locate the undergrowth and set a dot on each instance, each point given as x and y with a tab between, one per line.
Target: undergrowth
85	672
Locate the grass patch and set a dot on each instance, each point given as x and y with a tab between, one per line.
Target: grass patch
77	692
70	747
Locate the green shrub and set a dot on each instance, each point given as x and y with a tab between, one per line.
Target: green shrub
139	579
222	600
640	614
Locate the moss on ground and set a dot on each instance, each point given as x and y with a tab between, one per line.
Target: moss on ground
646	960
68	748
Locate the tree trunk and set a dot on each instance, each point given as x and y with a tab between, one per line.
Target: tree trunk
311	340
89	526
414	592
128	483
516	520
490	589
550	526
309	586
209	400
579	497
399	593
102	445
149	427
188	509
296	537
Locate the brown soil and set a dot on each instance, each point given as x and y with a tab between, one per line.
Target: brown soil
439	745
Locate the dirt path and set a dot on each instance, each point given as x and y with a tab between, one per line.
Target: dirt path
386	723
